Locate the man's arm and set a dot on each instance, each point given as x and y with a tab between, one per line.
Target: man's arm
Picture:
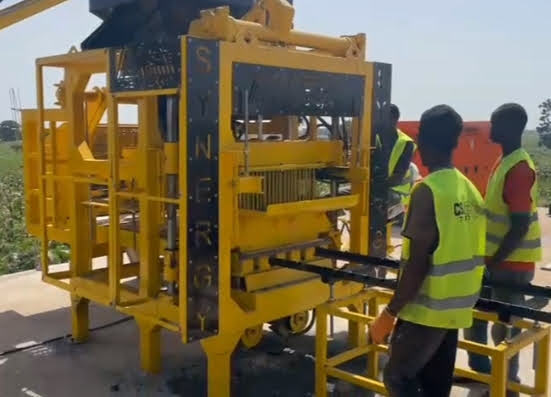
402	166
422	231
516	193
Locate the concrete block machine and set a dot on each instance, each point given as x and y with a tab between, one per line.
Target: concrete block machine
218	211
246	129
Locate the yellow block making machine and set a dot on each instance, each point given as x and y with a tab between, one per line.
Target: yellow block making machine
220	209
246	129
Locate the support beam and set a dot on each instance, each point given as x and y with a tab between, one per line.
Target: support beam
219	352
25	9
149	152
150	346
330	275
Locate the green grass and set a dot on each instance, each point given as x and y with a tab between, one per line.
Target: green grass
10	160
18	250
542	157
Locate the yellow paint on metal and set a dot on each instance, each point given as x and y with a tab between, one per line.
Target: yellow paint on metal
105	194
319	205
150	346
25	9
256	281
298	322
321	351
250	184
79	318
288	155
326	367
171	158
252	337
218	24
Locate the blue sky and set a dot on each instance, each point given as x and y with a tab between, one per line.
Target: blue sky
473	55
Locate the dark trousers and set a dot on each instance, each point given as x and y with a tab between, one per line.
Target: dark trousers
422	360
479	331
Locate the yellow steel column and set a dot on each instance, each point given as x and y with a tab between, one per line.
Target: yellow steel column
356	332
24	9
80	224
54	185
115	254
219	350
79	318
373	357
498	386
321	352
359	215
542	368
40	136
148	177
150	346
81	245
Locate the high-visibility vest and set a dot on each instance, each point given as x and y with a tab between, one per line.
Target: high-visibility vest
404	188
453	284
498	214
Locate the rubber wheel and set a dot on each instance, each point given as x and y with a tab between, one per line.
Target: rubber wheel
298	322
295	325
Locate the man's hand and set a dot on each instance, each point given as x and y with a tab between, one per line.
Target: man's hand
381	328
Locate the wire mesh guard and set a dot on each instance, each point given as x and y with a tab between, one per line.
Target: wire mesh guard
145	66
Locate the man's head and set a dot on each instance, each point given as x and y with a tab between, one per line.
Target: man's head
394	115
508	123
439	132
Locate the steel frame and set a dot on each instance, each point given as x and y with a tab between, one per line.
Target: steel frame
327	367
65	212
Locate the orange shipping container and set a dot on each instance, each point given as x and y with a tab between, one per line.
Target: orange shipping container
475	156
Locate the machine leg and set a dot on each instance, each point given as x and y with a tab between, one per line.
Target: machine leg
219	352
498	386
373	357
321	353
150	346
79	318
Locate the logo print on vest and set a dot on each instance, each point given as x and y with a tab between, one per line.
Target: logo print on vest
463	211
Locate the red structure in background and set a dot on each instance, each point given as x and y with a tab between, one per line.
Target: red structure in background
475	156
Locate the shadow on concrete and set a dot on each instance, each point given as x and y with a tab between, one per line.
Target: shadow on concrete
274	368
17	329
108	365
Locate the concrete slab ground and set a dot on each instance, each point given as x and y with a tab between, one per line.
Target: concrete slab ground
108	365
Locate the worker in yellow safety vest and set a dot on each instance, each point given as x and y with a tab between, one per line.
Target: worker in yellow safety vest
400	177
513	240
398	148
442	268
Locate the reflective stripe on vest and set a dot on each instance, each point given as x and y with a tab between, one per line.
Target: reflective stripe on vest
457	267
453	284
498	214
404	188
525	244
447	303
506	220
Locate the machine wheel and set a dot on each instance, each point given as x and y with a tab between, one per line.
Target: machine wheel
298	322
295	325
252	337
